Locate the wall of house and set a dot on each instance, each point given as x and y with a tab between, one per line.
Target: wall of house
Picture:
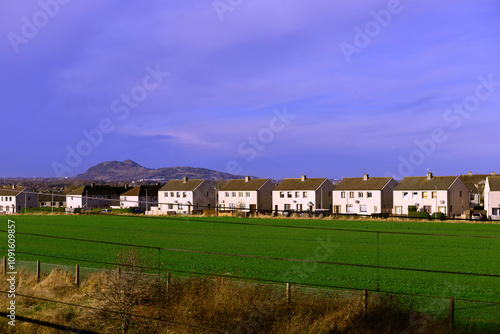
240	199
294	201
387	196
265	197
373	205
491	201
181	202
459	198
205	196
441	203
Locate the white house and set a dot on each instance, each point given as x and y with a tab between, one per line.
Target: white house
363	195
247	195
14	200
446	194
52	200
303	194
186	196
492	197
94	196
142	197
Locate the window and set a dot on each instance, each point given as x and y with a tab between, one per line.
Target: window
460	193
227	194
427	208
434	194
348	208
178	194
398	210
166	194
287	206
362	208
375	209
282	194
289	194
297	194
247	194
351	194
424	194
494	211
442	209
471	197
415	195
10	198
233	194
231	206
369	194
360	194
304	194
184	194
342	194
240	194
1	207
170	206
405	195
179	206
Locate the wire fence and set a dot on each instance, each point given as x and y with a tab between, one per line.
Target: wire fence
467	310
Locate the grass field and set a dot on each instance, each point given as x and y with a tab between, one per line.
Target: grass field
253	237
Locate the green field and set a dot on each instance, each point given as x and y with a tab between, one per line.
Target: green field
251	237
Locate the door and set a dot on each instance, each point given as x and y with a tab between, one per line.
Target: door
253	208
336	209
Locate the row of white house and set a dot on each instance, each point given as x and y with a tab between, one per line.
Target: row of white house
450	195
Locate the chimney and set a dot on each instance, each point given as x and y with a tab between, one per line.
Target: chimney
429	175
247	178
13	186
470	173
184	179
366	177
493	173
92	185
303	178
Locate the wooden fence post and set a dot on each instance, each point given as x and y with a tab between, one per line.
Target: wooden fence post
365	300
451	317
38	271
168	284
77	275
288	292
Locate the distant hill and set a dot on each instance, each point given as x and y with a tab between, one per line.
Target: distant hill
129	170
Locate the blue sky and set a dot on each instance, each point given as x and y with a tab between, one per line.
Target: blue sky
269	88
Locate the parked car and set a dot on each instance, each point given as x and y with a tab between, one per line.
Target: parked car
106	210
476	216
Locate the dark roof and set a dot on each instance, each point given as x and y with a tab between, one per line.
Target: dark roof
98	190
359	183
141	191
494	182
241	185
180	185
10	191
475	182
421	183
48	198
298	184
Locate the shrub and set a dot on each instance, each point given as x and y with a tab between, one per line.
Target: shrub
418	214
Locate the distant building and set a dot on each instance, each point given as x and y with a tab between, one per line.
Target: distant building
246	195
14	200
364	195
446	194
475	183
142	197
95	196
51	200
492	197
303	194
186	196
